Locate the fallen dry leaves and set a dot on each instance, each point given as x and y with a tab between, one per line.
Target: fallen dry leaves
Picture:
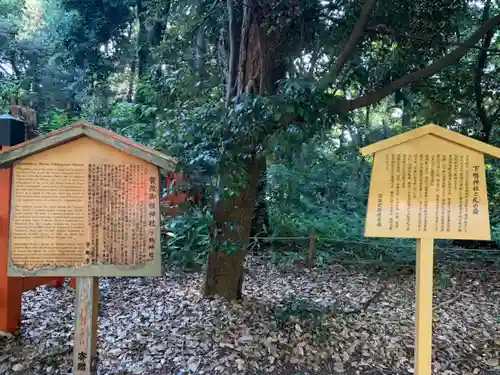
289	323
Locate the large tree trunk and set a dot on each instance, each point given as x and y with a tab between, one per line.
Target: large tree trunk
199	52
233	217
142	41
131	80
224	274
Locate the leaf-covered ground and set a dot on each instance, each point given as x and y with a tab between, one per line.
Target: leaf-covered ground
329	322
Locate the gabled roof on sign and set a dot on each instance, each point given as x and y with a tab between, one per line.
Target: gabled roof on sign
82	129
437	131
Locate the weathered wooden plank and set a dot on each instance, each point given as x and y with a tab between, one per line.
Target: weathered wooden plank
72	132
37	145
87	311
152	268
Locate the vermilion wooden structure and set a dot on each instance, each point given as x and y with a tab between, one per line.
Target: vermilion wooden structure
11	288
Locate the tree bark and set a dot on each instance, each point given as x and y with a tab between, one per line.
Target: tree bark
233	51
406	115
142	40
13	64
199	52
131	80
157	30
233	217
255	61
482	60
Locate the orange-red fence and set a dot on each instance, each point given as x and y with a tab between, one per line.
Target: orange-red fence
11	288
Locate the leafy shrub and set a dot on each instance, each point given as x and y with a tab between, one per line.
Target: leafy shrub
186	240
324	189
57	119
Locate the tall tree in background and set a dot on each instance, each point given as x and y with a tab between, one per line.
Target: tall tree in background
258	59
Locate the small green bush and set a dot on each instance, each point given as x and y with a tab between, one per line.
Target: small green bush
186	240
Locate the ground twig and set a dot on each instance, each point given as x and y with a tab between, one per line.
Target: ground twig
368	302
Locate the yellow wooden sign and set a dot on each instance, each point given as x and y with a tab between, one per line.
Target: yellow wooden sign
428	187
428	183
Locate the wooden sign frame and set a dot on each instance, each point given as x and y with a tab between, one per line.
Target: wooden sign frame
375	227
100	142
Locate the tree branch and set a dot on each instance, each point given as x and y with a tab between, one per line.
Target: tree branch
233	52
207	16
245	25
495	115
450	58
378	30
482	59
368	302
157	30
13	63
4	70
353	40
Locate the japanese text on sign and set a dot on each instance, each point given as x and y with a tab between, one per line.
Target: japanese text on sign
82	205
428	194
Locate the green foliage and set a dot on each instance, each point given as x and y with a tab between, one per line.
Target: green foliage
56	120
186	240
96	23
8	88
493	187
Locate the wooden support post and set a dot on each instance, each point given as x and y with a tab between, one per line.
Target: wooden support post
87	310
312	251
423	344
11	288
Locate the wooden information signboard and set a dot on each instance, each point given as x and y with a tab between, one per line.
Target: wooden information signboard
85	203
428	183
95	207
